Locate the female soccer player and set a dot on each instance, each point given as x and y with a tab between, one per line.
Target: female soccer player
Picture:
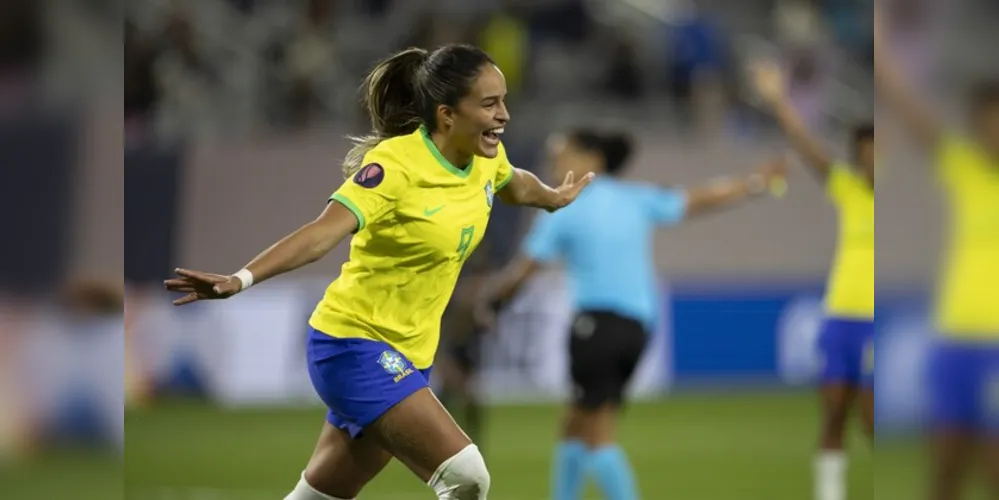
417	199
845	342
964	364
606	242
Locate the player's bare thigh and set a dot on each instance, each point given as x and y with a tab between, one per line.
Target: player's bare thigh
953	452
420	433
837	402
340	466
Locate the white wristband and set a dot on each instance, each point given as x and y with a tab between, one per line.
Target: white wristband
245	278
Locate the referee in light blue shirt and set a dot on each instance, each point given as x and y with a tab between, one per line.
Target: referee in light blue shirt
605	242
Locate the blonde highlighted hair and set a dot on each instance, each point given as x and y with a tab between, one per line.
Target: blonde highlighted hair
391	96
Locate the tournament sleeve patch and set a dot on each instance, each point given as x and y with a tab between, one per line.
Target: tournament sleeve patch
371	175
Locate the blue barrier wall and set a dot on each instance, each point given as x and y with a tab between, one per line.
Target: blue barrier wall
746	336
767	335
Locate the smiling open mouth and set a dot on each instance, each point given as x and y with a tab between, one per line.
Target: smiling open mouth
492	136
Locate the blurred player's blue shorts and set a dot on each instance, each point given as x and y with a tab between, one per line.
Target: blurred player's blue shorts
964	385
359	379
846	348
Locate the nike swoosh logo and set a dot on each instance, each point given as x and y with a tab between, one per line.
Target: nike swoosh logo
431	211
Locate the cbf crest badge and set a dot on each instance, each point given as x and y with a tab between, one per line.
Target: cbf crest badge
489	194
392	362
395	365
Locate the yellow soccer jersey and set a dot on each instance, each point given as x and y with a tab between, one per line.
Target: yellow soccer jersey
967	302
419	218
850	290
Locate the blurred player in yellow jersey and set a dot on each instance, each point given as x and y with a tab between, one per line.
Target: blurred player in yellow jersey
845	343
964	365
418	196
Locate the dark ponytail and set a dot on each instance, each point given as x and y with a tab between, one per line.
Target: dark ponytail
392	96
614	147
617	148
405	90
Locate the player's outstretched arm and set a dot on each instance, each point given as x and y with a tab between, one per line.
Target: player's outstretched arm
728	192
527	190
306	245
899	97
769	82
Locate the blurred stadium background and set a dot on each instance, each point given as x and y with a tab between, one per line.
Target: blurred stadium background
234	118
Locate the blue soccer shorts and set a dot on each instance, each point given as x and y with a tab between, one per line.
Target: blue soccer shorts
963	383
846	349
360	379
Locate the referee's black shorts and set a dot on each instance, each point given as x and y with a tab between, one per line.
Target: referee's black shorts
604	350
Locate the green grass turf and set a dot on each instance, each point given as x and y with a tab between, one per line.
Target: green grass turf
686	447
77	474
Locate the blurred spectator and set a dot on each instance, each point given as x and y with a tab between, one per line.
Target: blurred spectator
376	8
22	44
302	63
797	23
505	37
850	23
92	299
298	63
79	397
624	78
243	6
309	56
695	65
21	36
66	362
142	91
561	20
186	78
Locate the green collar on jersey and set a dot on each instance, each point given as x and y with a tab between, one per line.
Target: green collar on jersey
425	134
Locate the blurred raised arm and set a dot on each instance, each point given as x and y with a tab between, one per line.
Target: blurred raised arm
769	81
899	96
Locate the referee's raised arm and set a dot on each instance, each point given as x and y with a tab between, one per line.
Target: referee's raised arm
730	191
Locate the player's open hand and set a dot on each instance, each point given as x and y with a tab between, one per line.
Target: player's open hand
202	286
768	80
775	175
568	191
776	169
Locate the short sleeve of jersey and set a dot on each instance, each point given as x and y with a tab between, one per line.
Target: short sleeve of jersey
665	206
504	172
839	181
373	191
544	242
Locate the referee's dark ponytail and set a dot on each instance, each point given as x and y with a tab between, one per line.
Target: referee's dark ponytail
614	147
617	148
392	97
406	90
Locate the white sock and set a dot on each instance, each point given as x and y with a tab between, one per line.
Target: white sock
303	491
830	475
